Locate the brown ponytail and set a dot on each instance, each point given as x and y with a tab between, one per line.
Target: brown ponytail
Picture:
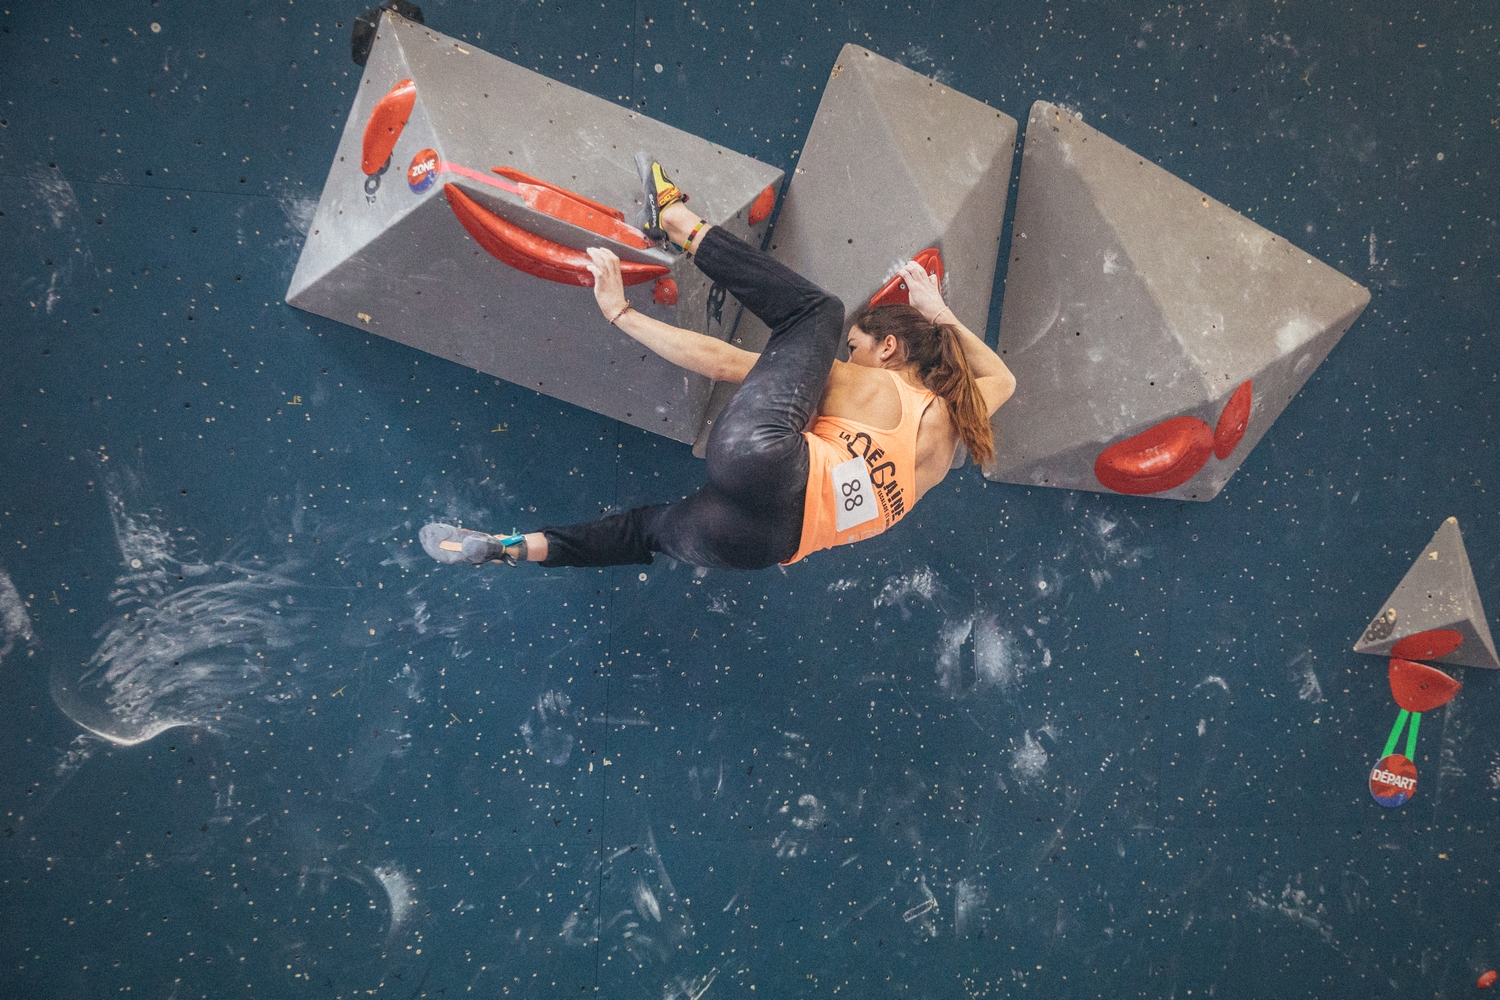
937	351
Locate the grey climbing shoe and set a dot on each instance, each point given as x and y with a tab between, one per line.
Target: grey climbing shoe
449	544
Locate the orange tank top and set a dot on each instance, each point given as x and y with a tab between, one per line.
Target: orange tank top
861	480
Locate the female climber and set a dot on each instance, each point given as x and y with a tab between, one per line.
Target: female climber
811	452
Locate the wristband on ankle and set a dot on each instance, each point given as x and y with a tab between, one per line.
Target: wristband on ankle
623	310
519	541
688	246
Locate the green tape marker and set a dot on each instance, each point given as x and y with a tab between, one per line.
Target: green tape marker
1411	737
1390	744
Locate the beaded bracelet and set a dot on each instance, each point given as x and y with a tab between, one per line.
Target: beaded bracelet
623	310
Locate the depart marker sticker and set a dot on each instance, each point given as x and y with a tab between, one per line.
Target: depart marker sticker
423	170
1394	780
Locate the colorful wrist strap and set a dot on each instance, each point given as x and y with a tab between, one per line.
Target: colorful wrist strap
688	246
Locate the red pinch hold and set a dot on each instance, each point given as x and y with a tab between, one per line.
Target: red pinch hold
1159	458
761	207
1233	420
1430	645
894	291
1420	688
536	255
384	127
1488	979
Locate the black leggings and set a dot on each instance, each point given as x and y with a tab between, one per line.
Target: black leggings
749	516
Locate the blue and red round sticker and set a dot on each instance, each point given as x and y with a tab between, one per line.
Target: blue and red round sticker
1393	781
423	170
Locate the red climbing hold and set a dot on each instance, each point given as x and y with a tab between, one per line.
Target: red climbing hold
761	207
664	292
1488	979
1233	421
536	255
1429	645
1160	458
570	206
385	125
894	292
1420	688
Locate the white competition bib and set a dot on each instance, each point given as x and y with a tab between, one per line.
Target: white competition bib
853	494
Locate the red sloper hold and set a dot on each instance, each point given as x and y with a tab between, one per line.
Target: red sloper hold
1159	458
1488	979
1420	688
664	292
385	125
761	207
894	292
1233	421
1433	644
526	251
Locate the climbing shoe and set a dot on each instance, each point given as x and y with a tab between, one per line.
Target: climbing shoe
449	544
657	192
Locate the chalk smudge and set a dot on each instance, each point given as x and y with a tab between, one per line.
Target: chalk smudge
898	590
298	209
923	912
53	188
1301	671
78	753
542	729
969	897
400	892
190	643
653	927
1028	761
996	660
1296	906
690	987
15	622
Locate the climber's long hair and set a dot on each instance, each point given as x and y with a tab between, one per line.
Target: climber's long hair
938	354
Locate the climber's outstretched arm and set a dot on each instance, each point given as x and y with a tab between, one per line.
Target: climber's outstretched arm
694	351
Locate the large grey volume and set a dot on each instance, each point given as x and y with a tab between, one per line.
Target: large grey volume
1131	297
395	262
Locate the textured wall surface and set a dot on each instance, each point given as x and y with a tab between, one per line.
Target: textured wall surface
1032	742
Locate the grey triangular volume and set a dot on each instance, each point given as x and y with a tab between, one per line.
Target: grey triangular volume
1133	299
389	253
1438	592
894	163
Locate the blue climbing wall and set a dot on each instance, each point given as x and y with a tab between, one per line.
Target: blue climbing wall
1030	743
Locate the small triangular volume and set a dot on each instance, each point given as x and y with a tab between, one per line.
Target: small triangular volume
1435	604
